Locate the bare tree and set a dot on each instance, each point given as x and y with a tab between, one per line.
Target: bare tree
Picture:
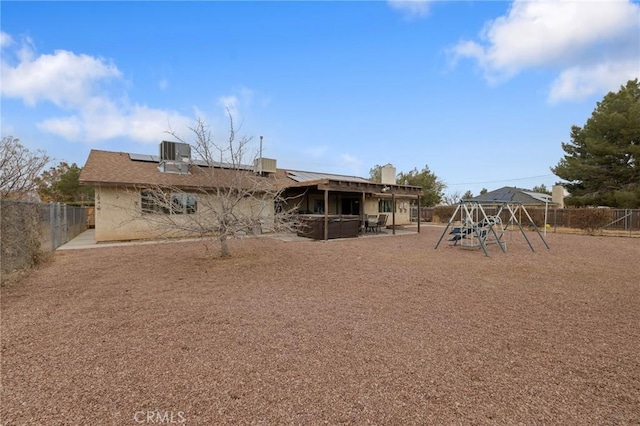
230	200
19	168
452	198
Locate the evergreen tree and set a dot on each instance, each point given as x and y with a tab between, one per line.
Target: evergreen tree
61	185
375	173
432	187
542	189
602	161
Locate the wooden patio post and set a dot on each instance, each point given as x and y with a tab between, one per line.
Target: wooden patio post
326	214
362	213
393	213
419	213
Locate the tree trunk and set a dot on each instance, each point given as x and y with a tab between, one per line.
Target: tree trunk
224	246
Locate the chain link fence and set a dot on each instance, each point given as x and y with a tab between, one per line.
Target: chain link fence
29	231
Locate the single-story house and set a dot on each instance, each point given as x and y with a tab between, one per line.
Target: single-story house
123	182
525	197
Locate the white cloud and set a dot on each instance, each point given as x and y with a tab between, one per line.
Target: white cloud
5	39
411	8
580	82
102	119
316	151
76	83
230	105
350	162
575	38
64	78
70	128
7	128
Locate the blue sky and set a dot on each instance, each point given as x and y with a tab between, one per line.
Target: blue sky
484	93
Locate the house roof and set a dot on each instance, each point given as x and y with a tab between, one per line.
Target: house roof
510	194
120	169
301	176
124	169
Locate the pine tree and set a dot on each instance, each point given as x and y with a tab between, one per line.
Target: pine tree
602	161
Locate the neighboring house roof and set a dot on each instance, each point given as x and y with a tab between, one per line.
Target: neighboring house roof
510	194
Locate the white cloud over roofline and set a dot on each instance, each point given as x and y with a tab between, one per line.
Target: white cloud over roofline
102	120
75	84
578	39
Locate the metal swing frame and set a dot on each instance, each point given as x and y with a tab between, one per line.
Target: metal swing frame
471	210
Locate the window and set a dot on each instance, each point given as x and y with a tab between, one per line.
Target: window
150	202
182	203
385	206
174	203
318	206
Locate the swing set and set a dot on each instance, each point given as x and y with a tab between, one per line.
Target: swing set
477	229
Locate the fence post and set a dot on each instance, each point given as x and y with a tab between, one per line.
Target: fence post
65	224
59	226
52	225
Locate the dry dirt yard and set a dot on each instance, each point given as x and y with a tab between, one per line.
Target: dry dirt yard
370	330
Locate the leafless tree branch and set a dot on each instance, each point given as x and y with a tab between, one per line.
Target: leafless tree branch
19	169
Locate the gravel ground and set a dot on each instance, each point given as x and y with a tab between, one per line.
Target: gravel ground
368	330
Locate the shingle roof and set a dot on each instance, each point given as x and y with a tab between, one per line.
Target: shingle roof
514	195
124	169
118	169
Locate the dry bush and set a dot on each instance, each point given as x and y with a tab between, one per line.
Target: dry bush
591	220
443	213
21	246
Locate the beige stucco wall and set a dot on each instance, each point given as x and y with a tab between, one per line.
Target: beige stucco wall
118	215
402	210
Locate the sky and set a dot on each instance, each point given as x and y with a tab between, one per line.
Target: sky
481	93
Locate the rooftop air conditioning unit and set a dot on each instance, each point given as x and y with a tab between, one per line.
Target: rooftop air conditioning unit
264	165
175	151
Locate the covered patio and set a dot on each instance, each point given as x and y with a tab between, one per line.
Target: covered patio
329	199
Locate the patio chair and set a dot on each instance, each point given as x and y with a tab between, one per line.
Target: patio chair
382	221
371	222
